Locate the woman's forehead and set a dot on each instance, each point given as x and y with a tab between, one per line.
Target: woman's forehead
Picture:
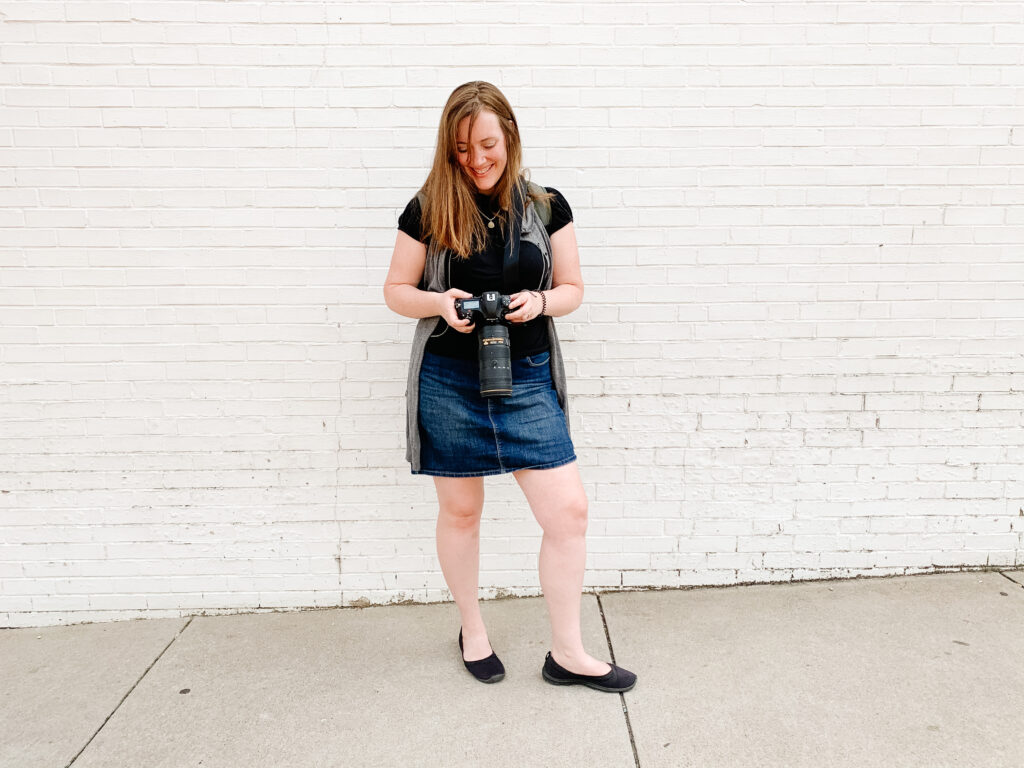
485	126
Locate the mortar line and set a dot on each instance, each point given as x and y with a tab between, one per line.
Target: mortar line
129	693
622	696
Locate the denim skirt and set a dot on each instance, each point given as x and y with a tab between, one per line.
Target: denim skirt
465	435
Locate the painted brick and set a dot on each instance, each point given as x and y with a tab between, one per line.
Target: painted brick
798	355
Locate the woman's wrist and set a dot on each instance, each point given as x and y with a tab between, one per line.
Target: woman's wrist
560	300
543	302
410	301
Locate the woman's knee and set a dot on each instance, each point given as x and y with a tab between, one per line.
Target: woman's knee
568	518
461	501
461	514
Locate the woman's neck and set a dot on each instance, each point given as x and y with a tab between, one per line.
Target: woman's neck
486	202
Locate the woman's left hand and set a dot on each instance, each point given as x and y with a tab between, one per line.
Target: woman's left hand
526	306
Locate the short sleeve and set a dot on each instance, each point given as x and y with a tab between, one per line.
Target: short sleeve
561	213
409	221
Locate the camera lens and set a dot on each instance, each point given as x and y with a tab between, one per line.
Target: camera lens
495	361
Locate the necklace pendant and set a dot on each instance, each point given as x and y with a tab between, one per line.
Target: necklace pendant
490	225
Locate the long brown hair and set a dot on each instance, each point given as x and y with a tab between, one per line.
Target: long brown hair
450	216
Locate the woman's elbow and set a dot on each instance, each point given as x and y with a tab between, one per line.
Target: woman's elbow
579	295
388	290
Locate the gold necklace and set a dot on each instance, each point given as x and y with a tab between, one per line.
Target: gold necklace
490	221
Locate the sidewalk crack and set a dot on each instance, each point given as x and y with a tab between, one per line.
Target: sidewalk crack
129	693
1011	580
622	696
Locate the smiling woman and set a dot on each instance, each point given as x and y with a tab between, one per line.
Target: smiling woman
473	228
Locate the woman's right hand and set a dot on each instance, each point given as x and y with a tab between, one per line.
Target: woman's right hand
448	310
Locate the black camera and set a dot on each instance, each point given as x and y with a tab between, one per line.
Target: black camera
489	310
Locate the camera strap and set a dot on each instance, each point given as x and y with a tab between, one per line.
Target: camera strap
510	270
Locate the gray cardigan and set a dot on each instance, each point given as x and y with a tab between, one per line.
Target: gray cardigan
435	278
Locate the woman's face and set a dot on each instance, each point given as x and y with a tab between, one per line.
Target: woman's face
482	155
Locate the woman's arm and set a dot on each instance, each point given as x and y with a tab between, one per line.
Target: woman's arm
566	292
401	286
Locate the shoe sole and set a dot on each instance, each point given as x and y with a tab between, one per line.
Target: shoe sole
492	679
588	683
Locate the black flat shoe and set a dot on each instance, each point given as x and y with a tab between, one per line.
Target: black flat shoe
617	680
489	670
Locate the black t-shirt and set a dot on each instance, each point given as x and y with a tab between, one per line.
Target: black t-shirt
483	272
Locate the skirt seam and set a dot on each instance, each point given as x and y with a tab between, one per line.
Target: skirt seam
497	439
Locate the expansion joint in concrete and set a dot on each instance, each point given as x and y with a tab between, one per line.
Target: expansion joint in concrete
129	692
622	696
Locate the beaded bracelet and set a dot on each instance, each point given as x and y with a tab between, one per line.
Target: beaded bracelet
543	301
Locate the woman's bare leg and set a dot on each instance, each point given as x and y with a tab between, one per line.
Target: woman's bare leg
461	501
559	503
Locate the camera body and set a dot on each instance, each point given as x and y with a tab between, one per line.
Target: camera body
488	311
491	307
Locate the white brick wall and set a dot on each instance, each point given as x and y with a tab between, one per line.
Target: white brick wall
800	353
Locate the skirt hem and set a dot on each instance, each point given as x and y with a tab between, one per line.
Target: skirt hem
489	472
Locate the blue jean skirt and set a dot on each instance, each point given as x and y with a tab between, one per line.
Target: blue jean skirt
465	435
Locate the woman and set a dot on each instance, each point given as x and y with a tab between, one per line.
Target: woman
451	245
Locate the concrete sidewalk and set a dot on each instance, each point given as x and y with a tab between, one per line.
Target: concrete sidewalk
915	671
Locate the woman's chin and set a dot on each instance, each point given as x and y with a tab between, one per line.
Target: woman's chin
485	185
